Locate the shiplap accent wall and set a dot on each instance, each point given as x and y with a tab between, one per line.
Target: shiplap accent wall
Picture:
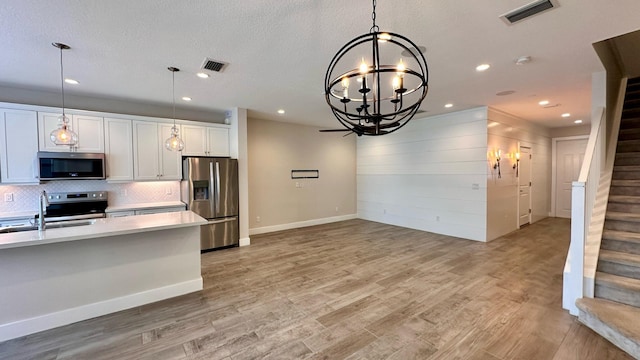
508	133
430	175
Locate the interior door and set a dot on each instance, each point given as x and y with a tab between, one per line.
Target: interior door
569	156
524	186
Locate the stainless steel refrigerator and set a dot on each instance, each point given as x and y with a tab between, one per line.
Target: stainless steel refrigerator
210	189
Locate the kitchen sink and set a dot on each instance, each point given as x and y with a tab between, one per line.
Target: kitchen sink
51	225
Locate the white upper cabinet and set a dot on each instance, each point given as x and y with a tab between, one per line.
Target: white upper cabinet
90	130
151	161
19	146
118	149
205	140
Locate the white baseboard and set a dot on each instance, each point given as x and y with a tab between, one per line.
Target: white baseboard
245	241
299	224
49	321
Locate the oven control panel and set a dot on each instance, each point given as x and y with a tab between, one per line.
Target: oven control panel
77	196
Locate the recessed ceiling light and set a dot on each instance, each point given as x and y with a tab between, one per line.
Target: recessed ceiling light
71	81
448	105
482	67
578	121
281	111
544	103
202	75
186	98
523	60
565	115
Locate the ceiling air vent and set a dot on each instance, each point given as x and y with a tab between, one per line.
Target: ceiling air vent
529	10
213	65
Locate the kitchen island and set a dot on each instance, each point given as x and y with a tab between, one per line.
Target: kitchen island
64	275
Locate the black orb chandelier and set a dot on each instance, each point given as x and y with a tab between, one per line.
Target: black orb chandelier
376	98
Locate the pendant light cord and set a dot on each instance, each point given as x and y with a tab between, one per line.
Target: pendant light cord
62	80
173	96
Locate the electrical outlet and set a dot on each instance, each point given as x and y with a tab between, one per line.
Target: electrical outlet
297	184
337	209
123	192
257	218
8	197
168	190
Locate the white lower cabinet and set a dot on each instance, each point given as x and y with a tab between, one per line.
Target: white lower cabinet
151	160
160	210
18	146
116	214
146	211
118	149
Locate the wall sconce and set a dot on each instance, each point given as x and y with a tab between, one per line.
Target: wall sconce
517	164
497	164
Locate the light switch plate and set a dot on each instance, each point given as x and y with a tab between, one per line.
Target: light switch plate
8	197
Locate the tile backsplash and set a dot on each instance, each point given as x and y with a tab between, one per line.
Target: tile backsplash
25	197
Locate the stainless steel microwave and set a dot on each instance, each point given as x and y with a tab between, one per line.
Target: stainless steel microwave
70	166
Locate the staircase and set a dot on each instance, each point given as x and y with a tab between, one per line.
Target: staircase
614	313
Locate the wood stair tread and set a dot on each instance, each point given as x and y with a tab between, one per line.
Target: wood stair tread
625	182
621	216
624	199
620	257
628	155
616	322
621	236
626	168
615	281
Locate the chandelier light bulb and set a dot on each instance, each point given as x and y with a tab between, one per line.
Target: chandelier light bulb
401	68
364	68
396	83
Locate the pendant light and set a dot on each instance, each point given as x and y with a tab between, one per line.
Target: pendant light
378	97
174	143
63	135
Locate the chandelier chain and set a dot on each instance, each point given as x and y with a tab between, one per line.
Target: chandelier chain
375	27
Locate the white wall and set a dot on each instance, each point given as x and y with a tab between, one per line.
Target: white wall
274	150
430	175
507	133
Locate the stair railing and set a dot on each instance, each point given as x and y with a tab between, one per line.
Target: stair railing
589	196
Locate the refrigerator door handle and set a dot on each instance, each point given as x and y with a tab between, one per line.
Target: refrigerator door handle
211	189
217	186
222	220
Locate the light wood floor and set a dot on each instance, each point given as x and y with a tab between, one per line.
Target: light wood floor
356	290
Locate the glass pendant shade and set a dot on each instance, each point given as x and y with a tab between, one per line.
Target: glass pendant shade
174	143
63	135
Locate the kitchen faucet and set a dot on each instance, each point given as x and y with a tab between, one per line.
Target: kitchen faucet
42	209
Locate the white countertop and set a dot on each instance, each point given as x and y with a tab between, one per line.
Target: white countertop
102	228
144	206
19	215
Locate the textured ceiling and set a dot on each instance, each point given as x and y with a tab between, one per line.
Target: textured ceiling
278	51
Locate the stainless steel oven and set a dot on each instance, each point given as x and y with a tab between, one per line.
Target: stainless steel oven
76	206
